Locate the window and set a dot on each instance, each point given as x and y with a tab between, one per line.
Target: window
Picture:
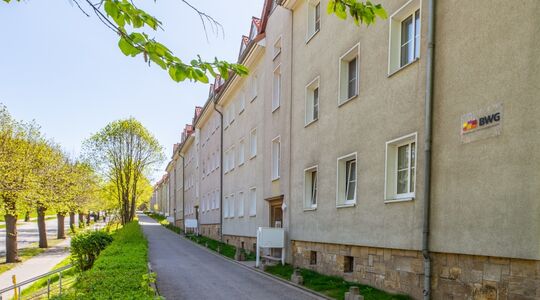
254	86
218	198
312	101
241	103
401	168
405	32
314	19
276	157
253	143
276	94
312	257
232	112
231	206
226	162
241	152
346	191
240	205
253	202
348	75
226	207
231	159
310	187
277	47
348	264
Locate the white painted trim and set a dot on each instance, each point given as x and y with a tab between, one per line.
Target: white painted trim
309	5
398	16
315	83
276	54
341	58
346	203
251	155
312	207
396	143
274	178
273	87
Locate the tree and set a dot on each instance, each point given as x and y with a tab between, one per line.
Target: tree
124	153
19	148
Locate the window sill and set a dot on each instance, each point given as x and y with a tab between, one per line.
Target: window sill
407	199
275	179
311	122
345	205
313	208
390	74
276	108
309	38
240	164
252	216
253	99
341	103
276	55
252	157
240	112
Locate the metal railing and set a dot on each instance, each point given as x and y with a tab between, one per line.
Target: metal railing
16	287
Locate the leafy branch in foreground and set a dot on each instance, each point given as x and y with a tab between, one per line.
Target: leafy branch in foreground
361	12
123	17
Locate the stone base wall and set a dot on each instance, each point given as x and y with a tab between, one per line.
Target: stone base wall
179	223
248	242
210	230
454	276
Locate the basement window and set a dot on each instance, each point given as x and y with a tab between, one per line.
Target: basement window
313	258
348	264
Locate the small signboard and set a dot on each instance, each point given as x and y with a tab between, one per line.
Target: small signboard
191	223
482	124
269	237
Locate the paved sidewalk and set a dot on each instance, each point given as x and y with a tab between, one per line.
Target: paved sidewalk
35	266
185	271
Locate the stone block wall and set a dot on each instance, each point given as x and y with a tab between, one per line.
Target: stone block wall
210	230
236	240
454	276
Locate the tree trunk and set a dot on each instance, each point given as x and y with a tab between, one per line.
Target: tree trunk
61	233
72	221
132	212
12	254
81	220
41	227
27	216
88	218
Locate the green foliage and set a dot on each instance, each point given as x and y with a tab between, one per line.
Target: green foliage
361	12
332	286
119	271
86	246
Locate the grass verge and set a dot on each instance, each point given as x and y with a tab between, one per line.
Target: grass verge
332	286
120	271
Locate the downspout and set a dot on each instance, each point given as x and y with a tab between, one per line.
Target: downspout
183	194
427	148
174	193
220	171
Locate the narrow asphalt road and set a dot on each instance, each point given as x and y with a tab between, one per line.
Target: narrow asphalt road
185	271
27	233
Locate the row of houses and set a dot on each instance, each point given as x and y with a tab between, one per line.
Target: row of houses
404	155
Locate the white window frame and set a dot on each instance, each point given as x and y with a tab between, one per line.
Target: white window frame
231	158
241	103
226	207
311	19
276	158
253	143
240	205
341	190
310	98
276	88
390	170
254	87
277	48
252	201
394	45
241	152
343	80
308	188
232	212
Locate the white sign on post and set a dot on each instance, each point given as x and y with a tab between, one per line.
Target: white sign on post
268	237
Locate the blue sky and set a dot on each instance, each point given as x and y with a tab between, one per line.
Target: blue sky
65	70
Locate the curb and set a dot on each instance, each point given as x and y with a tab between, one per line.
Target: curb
255	270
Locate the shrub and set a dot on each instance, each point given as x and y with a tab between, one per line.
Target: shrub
86	246
120	272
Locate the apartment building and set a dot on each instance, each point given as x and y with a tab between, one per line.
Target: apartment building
208	126
326	137
175	173
358	162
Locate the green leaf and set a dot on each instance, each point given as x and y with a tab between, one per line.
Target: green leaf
111	9
127	48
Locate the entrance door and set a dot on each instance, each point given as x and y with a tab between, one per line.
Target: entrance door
276	219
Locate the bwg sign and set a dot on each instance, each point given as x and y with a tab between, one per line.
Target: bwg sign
482	124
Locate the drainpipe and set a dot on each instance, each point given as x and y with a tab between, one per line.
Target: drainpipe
220	171
183	194
427	148
174	193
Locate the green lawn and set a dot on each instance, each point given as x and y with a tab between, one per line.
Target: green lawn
332	286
